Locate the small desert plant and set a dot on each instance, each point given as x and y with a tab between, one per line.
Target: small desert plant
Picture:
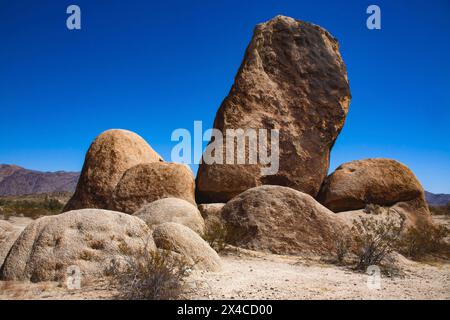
373	209
149	274
216	235
342	249
376	238
30	208
424	238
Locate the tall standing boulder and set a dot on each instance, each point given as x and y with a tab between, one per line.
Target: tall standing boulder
148	182
282	220
293	79
111	154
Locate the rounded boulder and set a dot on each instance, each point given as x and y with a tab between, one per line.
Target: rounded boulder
86	240
380	181
172	210
182	240
109	156
148	182
282	220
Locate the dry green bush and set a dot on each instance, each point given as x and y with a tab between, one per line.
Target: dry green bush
424	239
216	235
219	235
342	249
149	274
30	208
376	238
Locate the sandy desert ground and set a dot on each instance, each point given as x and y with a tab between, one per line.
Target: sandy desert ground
254	275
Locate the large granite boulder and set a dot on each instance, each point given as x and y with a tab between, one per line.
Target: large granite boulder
282	220
355	184
148	182
293	79
109	156
89	239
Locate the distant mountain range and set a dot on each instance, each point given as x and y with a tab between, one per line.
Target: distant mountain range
440	199
15	180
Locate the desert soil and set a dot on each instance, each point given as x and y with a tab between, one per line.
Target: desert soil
254	275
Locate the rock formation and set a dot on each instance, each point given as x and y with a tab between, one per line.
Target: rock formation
211	213
182	240
109	156
384	182
8	235
171	210
293	79
89	239
282	220
148	182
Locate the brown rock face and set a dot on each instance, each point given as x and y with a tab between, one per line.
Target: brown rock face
89	239
149	182
109	156
293	79
282	220
372	181
8	235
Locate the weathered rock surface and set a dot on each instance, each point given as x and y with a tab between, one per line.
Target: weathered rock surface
372	181
89	239
8	235
109	156
172	210
211	213
293	79
182	240
148	182
282	220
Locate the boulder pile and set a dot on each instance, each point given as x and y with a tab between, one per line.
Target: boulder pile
293	79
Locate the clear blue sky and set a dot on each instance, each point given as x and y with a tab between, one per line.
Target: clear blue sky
152	67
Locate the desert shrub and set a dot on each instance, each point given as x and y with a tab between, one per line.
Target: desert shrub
30	208
219	235
342	249
440	210
372	208
423	239
376	238
216	235
149	274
